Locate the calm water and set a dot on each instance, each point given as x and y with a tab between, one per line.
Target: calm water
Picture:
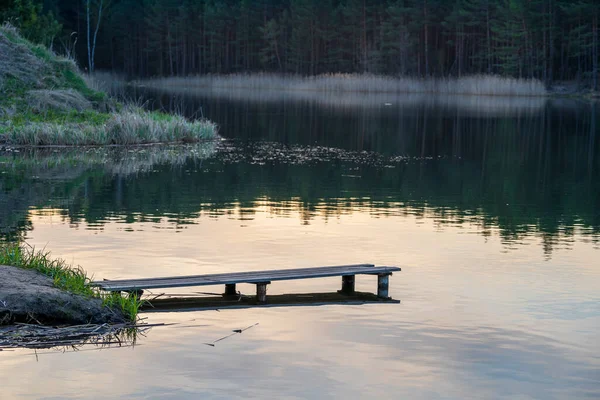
490	206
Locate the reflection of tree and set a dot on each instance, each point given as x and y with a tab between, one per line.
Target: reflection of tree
520	175
51	178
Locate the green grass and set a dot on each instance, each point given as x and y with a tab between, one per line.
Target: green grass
130	126
90	117
46	101
12	88
73	80
41	52
66	277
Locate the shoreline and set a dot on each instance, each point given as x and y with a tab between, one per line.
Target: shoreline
127	127
28	296
9	147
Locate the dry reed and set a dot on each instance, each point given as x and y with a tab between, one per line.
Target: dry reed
488	85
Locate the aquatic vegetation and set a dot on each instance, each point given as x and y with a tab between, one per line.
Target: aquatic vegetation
485	85
65	276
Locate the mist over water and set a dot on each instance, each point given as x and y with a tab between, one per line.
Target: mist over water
489	205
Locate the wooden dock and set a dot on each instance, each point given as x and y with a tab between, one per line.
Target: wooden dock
260	278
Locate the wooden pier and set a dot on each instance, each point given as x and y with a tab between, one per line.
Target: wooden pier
260	278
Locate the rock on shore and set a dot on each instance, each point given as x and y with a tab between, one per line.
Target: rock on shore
28	296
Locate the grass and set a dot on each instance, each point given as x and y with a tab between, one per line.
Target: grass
130	126
486	85
47	102
26	66
66	277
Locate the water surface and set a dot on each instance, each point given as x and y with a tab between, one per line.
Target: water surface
489	205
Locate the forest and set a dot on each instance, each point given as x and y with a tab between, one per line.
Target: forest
550	40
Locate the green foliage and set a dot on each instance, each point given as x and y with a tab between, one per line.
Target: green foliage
34	24
56	73
42	52
58	114
543	39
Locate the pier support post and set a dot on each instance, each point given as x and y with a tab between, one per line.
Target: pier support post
383	284
230	290
348	284
261	292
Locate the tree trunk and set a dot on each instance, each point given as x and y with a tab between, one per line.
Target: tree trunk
595	53
89	47
426	28
96	34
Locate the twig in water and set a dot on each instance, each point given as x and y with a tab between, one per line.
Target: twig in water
245	329
235	332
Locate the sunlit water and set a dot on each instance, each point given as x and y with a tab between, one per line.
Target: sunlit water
490	206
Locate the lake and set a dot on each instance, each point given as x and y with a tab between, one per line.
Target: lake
491	206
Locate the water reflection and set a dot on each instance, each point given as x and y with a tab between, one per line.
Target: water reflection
445	193
413	359
518	196
53	177
348	103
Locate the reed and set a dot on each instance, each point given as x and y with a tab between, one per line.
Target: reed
482	85
132	125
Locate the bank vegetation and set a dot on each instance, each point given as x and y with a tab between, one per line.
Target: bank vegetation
46	101
488	85
68	279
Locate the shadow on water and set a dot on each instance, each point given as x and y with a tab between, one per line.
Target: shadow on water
204	301
519	167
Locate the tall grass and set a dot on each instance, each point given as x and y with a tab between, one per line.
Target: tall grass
130	126
66	277
488	85
46	101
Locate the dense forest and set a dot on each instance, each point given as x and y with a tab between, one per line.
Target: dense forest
545	39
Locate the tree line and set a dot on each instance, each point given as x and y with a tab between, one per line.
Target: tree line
544	39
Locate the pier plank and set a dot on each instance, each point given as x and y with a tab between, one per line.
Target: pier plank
242	277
